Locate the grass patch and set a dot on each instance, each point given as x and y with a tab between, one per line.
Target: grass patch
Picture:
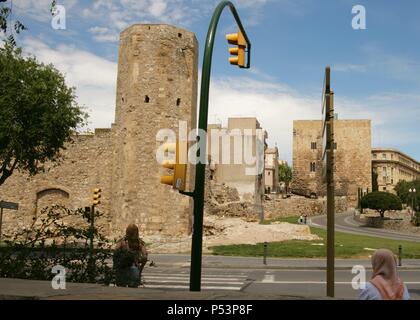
346	246
291	219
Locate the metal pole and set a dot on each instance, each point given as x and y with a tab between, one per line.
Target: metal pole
265	252
92	217
198	195
330	187
1	221
412	202
399	255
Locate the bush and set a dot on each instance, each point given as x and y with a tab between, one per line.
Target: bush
416	219
50	241
412	199
381	202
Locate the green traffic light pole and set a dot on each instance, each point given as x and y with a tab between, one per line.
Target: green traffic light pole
198	194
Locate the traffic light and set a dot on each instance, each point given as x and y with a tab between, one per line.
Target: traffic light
96	196
238	52
178	178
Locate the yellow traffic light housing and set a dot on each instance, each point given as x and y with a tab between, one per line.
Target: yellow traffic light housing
96	196
238	53
179	167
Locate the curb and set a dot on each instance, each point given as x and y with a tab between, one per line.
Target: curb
211	266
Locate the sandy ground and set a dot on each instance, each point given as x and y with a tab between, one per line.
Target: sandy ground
224	231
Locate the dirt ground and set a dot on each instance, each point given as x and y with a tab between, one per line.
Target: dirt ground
225	231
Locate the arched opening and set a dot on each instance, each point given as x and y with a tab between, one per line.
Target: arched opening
50	197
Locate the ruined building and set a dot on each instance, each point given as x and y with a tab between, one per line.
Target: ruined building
157	87
233	165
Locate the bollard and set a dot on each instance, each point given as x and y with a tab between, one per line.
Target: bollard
265	253
399	255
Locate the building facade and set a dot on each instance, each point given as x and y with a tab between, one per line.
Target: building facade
392	166
271	170
352	157
234	153
156	88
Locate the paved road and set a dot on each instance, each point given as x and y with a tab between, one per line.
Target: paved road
227	262
284	277
223	277
308	283
345	223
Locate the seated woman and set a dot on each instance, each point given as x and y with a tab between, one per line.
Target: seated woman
130	258
385	283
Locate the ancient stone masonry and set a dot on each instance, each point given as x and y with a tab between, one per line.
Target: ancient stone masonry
85	164
352	158
276	206
224	201
157	88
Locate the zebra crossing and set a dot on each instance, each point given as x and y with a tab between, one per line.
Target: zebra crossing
181	280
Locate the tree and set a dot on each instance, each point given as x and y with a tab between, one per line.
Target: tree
402	189
381	202
38	113
285	174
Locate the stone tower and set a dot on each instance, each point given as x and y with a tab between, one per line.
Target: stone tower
156	88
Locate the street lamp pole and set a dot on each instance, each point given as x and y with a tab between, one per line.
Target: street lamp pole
412	195
198	194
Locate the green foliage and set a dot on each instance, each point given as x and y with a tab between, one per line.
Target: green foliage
51	241
416	219
38	114
346	246
402	188
381	201
17	26
285	173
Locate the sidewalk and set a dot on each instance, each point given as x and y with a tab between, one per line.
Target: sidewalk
225	262
16	289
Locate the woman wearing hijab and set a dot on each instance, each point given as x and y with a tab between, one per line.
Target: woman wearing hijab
385	283
130	258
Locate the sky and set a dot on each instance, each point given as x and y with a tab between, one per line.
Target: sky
375	72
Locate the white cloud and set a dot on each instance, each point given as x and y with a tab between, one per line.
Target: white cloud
394	116
349	68
273	104
93	77
119	14
157	8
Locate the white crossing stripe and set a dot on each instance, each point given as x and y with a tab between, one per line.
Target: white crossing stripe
268	278
318	282
213	276
187	287
157	280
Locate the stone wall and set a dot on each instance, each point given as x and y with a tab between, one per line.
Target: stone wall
306	132
276	206
86	164
157	88
352	158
